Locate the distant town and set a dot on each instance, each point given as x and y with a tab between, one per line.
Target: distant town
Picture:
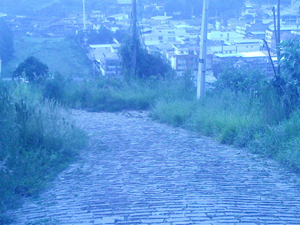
241	39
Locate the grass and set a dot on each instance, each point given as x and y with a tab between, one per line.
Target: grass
238	120
60	54
37	141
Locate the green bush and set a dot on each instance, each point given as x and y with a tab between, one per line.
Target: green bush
244	79
38	140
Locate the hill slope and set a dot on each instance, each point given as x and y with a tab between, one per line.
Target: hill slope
60	54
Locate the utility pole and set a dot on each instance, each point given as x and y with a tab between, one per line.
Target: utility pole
84	18
134	39
202	53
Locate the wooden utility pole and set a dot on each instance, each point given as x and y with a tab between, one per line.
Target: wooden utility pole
134	39
202	53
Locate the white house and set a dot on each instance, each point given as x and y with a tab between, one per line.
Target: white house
184	57
106	59
247	45
164	34
223	35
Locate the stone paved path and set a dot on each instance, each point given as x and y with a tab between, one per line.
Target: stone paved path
136	171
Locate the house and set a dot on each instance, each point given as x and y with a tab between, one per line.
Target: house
260	60
184	57
285	30
247	45
125	6
105	59
223	35
163	34
214	47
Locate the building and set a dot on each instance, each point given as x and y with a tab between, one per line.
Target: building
285	30
105	59
224	35
164	34
247	45
259	59
184	57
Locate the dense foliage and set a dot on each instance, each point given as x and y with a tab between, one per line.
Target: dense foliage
287	84
240	79
32	70
148	64
37	140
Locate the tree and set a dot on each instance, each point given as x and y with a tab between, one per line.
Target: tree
102	36
147	65
32	70
242	78
6	41
287	83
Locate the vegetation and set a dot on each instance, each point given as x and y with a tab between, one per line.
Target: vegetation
37	141
32	70
60	54
244	108
148	65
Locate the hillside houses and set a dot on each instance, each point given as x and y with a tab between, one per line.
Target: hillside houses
177	40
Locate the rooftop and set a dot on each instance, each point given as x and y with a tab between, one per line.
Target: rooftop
124	2
243	55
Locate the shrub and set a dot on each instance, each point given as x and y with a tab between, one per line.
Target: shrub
38	140
240	79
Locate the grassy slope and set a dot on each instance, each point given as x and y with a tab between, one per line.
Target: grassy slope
60	54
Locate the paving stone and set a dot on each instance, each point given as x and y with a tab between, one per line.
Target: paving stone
137	171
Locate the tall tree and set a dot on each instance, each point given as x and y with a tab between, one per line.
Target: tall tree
32	70
6	41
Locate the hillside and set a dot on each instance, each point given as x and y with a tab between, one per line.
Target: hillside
60	54
52	7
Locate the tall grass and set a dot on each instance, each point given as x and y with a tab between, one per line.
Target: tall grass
256	120
104	94
37	140
257	123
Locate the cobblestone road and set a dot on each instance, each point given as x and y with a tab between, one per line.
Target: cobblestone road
136	171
